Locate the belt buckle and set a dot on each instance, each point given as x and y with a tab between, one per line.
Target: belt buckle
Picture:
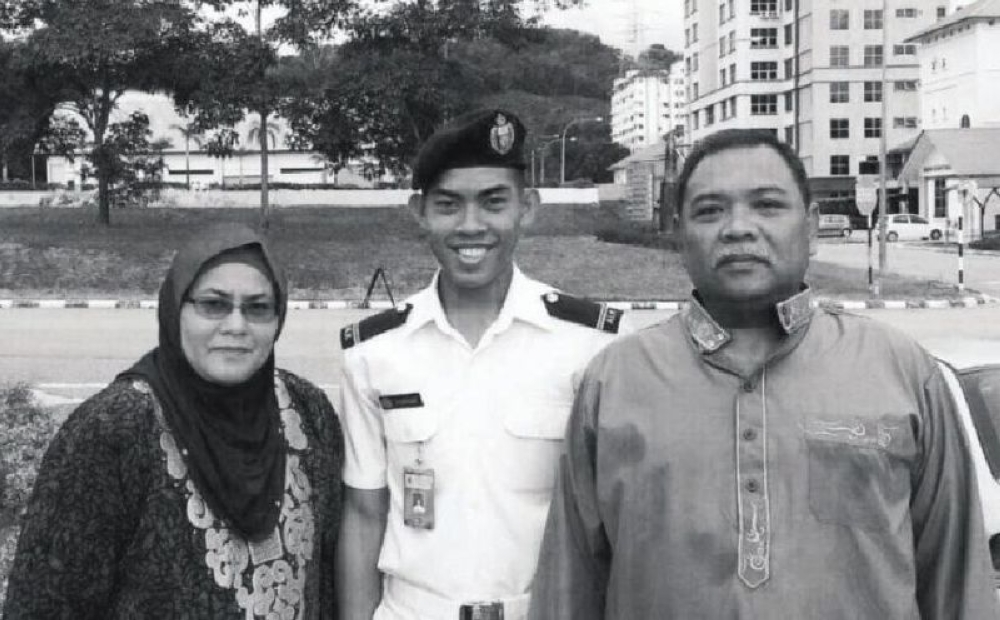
481	611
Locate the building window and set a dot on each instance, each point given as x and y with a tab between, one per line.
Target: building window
722	77
732	42
694	90
905	85
904	50
763	70
722	13
789	68
722	46
710	115
942	11
839	56
694	61
840	128
966	122
940	199
763	38
840	165
908	12
873	127
763	7
687	37
763	105
695	122
840	92
873	19
789	5
789	134
732	73
789	101
732	107
840	19
788	34
732	9
694	33
904	122
873	55
873	92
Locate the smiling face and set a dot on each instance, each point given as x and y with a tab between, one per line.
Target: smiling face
745	232
473	219
228	350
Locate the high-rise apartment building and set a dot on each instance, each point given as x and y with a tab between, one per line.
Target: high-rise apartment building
811	71
646	105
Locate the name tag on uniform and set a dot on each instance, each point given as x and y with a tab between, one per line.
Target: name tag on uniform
418	497
401	401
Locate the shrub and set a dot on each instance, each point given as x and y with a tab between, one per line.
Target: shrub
28	428
990	242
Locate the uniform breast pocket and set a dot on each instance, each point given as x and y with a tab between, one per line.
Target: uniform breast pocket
859	471
407	429
534	441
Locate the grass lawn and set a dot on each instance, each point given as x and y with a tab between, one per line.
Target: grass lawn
331	253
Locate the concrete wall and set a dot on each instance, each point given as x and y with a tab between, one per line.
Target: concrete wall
292	198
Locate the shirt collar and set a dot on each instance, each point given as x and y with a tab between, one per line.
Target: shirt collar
793	313
523	302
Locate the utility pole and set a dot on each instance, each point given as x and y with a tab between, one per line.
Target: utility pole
883	200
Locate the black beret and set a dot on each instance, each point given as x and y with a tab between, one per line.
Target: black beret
484	138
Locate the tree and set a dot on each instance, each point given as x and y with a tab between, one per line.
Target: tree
407	69
100	49
190	131
240	73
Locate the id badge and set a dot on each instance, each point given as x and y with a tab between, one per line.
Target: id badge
418	497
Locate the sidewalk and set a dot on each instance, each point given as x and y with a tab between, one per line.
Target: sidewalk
982	269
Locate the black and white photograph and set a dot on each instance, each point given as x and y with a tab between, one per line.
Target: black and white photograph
499	309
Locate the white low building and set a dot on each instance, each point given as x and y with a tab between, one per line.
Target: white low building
188	159
943	163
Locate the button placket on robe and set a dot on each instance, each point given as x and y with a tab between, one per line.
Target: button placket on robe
754	555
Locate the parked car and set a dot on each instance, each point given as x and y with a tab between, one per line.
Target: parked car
834	224
974	378
909	227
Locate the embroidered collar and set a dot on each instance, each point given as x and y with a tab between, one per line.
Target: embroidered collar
793	313
523	302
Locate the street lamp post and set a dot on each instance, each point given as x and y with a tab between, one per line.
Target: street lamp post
562	167
543	149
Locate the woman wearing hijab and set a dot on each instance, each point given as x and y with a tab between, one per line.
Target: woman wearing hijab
203	482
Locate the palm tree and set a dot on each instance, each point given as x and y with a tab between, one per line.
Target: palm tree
190	131
256	136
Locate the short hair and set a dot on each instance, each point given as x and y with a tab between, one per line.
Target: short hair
736	139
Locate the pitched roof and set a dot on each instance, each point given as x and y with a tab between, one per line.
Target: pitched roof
969	152
653	152
983	9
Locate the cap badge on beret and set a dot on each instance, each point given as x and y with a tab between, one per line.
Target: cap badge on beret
502	134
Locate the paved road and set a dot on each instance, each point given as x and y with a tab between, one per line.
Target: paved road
72	352
932	262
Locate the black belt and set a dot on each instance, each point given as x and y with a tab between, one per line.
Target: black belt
481	611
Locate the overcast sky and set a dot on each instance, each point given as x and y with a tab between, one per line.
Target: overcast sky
629	25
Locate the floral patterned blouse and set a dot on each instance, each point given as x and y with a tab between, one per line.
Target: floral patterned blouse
116	529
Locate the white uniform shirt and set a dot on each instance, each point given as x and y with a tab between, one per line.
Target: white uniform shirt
491	427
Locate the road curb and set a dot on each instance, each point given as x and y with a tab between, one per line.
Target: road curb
969	301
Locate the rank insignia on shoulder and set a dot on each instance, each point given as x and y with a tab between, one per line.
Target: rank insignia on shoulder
373	326
583	311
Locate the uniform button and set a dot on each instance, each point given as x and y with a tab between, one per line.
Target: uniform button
752	486
749	434
748	385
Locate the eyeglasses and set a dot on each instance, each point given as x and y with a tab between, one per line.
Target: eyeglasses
218	308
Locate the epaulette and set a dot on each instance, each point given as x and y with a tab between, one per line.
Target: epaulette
373	326
582	311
